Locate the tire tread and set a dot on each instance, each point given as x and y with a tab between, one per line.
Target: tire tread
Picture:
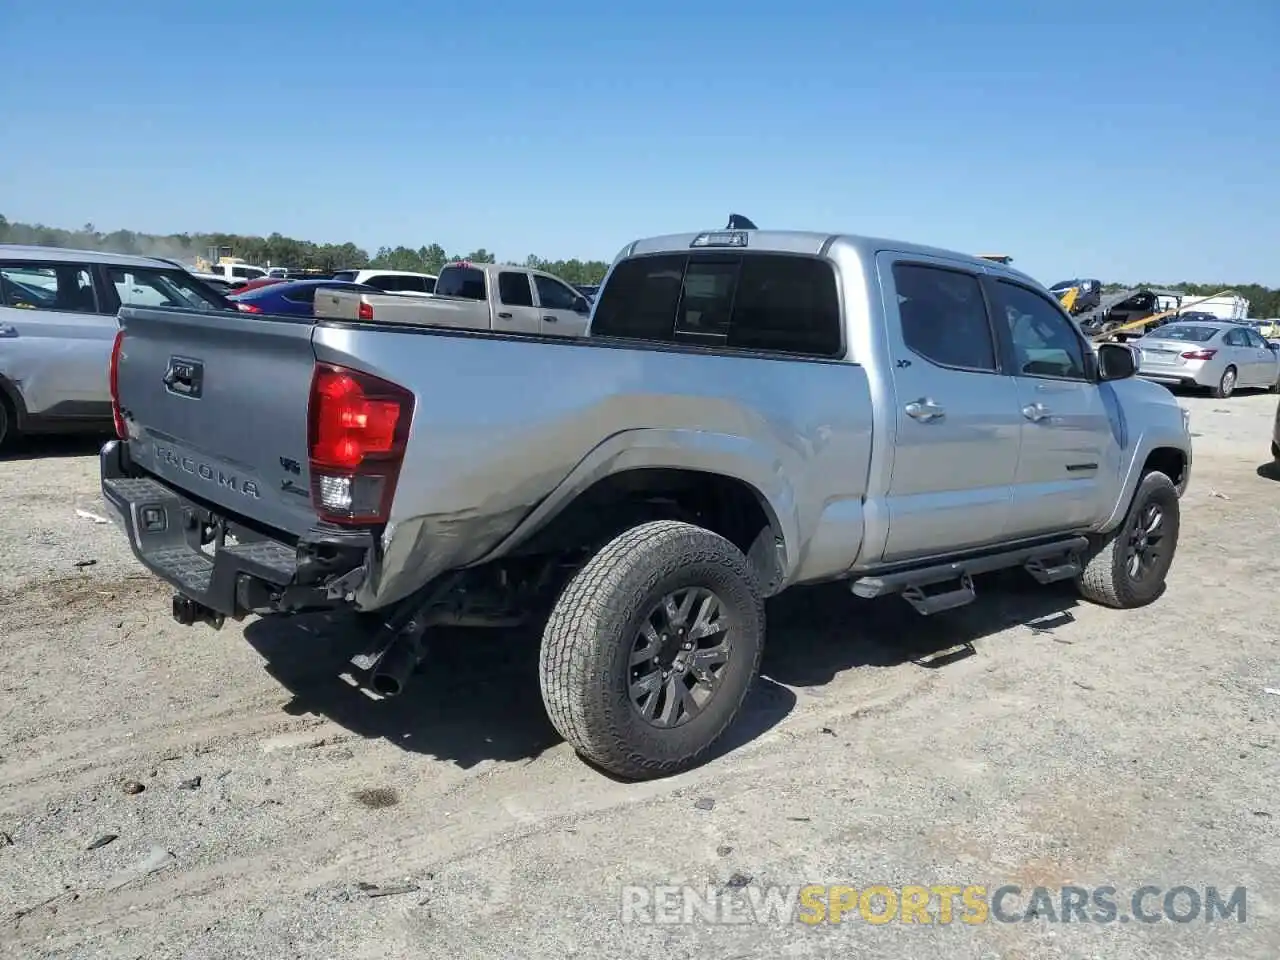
579	638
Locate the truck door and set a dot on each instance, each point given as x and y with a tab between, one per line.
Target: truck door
955	411
1069	464
514	312
56	333
564	311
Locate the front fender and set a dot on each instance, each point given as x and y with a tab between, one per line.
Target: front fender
700	450
1154	435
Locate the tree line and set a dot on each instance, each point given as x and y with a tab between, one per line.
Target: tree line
278	250
284	251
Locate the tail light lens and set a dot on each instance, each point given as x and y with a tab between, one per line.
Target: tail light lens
358	427
366	311
113	377
247	307
1199	354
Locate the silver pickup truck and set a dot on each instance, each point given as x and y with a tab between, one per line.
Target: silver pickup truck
479	296
752	410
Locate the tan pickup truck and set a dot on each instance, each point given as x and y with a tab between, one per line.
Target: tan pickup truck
474	296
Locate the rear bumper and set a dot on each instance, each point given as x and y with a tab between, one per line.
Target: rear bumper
224	562
1173	378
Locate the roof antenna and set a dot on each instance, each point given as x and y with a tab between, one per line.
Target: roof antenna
738	222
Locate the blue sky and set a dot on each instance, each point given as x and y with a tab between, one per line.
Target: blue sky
1127	140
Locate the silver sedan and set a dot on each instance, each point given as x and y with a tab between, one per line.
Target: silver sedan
1219	356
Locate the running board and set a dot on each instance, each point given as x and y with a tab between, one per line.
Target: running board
1047	562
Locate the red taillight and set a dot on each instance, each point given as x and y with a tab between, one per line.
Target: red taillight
113	378
366	311
358	426
247	307
1199	354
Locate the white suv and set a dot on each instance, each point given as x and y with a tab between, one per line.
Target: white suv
391	281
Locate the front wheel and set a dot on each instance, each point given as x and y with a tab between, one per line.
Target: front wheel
651	648
1127	568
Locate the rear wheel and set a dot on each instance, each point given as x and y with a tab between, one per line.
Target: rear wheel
8	423
1127	567
651	649
1227	385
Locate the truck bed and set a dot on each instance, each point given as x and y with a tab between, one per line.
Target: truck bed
424	309
504	427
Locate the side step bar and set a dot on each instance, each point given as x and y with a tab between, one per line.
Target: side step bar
945	586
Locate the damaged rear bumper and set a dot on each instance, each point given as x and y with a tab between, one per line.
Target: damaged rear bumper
226	563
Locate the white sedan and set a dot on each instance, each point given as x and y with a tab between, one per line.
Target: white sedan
1216	355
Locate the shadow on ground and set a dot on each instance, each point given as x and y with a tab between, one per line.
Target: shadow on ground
1269	471
477	697
52	446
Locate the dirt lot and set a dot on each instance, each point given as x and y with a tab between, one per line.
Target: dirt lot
277	802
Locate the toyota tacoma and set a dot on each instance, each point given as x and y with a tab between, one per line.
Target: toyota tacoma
751	410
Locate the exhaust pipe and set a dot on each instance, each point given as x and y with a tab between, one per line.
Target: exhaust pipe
188	612
393	670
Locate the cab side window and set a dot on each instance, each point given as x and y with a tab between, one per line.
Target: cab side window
554	295
944	317
1044	341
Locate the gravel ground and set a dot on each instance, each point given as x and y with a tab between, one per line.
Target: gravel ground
284	814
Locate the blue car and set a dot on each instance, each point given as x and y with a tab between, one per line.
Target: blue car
293	298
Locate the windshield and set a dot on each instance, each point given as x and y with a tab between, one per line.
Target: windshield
1187	332
1065	284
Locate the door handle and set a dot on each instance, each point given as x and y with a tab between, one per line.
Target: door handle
504	316
924	410
548	319
1035	412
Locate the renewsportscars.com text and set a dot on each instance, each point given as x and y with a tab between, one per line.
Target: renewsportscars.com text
939	904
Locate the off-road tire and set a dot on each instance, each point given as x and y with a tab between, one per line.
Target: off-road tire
584	663
1105	579
1221	391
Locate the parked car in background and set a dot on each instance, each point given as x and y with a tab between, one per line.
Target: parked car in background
293	298
751	410
479	296
1218	355
57	322
588	290
257	284
237	271
391	281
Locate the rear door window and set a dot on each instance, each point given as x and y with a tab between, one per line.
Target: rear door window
766	302
943	317
464	282
513	289
68	288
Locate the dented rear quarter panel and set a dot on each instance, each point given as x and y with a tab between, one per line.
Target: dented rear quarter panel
508	430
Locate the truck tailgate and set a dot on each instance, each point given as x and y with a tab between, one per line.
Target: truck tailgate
217	407
333	304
